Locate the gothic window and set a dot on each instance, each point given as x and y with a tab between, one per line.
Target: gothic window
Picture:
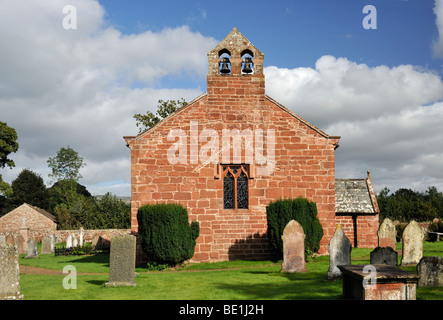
235	186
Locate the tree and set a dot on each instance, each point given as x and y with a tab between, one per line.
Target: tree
66	165
164	109
8	145
29	187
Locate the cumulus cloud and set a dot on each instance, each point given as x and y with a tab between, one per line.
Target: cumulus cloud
81	87
389	118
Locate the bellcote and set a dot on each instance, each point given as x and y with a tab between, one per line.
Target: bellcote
235	56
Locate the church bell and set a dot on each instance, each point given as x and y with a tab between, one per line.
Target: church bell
247	65
224	65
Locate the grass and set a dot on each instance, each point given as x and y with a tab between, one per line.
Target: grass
231	280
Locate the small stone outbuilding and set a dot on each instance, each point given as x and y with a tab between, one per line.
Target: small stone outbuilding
27	217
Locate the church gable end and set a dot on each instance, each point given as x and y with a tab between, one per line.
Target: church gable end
230	152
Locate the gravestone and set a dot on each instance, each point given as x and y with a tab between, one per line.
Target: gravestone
53	242
387	234
80	243
430	271
412	250
384	255
21	244
122	261
339	253
2	238
293	248
69	240
75	241
32	249
9	272
46	245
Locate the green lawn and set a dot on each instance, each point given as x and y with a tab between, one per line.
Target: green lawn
235	280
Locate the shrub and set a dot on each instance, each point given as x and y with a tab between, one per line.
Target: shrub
166	236
280	212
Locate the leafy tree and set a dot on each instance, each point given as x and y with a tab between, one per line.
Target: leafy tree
8	145
29	187
164	109
66	165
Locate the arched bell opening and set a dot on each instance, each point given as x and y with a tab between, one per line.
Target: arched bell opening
247	66
224	61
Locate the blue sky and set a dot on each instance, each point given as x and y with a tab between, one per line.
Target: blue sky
295	33
380	89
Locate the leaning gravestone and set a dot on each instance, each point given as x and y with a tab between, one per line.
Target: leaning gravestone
384	255
32	249
293	248
339	253
9	272
122	261
46	245
430	271
412	251
387	234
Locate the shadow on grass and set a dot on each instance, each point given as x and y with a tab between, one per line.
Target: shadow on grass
100	283
303	286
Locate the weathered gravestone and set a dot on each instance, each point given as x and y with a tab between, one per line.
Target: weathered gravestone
412	251
53	242
384	255
69	240
339	253
2	238
76	241
20	242
387	234
32	249
122	261
293	248
46	245
9	272
430	271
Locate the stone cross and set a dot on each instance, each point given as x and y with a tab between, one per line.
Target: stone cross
339	253
122	261
9	272
293	248
387	234
412	250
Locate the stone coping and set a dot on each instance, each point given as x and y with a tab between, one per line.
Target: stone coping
384	274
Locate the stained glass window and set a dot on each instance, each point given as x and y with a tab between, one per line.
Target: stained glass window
235	186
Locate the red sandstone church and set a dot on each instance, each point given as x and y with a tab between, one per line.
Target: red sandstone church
232	150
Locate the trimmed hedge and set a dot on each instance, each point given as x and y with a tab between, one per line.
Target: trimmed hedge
281	211
165	234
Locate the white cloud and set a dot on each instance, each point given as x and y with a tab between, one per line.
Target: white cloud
81	87
389	118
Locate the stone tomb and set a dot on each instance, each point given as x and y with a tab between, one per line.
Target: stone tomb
430	271
387	235
378	282
385	255
293	248
122	261
339	253
412	250
9	272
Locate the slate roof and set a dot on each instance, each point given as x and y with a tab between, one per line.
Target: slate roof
355	196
